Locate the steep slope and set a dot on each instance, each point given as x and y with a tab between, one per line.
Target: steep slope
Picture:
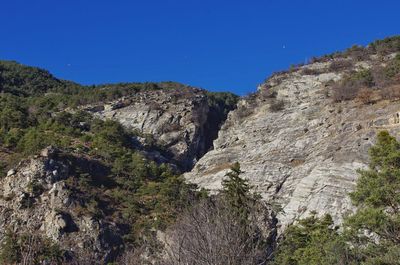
178	120
298	142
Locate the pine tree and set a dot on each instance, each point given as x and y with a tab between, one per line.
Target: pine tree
376	224
236	190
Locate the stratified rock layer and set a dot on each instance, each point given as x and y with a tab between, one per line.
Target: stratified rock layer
304	156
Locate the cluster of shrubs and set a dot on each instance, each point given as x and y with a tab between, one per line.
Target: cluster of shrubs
367	84
359	53
345	59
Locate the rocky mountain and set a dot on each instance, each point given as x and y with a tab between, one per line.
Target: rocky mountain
88	172
300	144
94	171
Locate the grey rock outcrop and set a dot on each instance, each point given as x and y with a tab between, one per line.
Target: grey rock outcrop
36	200
303	156
175	118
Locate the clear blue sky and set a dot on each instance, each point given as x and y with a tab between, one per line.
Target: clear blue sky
214	44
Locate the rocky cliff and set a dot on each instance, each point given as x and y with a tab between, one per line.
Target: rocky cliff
178	120
296	145
112	185
39	201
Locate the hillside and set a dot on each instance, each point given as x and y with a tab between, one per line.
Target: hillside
165	173
303	135
116	152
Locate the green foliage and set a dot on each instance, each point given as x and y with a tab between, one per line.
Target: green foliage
236	191
349	87
378	197
220	104
379	186
36	249
312	241
382	47
137	192
363	77
25	80
386	46
12	113
224	101
371	235
393	67
10	252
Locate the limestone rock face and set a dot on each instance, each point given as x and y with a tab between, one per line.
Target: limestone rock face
36	198
304	155
176	119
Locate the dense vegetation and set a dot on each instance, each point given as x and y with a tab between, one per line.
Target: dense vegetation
39	85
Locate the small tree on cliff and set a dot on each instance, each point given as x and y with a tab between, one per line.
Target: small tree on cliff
235	188
236	191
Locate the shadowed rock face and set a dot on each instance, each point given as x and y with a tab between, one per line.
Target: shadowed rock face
303	156
176	119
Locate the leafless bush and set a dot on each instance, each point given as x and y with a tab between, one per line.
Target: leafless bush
339	65
342	92
266	92
380	78
348	88
357	52
390	92
29	247
244	111
365	96
211	233
311	71
277	105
